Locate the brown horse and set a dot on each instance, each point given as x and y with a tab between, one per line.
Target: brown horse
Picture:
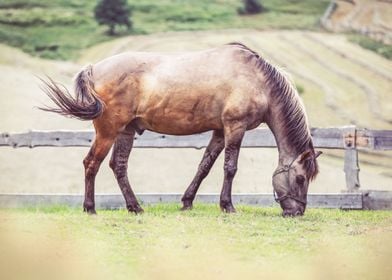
229	90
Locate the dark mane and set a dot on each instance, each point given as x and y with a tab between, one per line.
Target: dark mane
291	111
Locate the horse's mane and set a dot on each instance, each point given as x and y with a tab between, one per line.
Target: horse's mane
291	109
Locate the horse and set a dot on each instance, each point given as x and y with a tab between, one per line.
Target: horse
228	90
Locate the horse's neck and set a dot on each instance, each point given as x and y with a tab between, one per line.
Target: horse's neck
287	149
286	115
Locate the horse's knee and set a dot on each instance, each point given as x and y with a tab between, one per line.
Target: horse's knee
86	162
91	171
119	169
204	169
91	166
230	169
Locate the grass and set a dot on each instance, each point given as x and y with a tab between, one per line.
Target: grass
373	45
204	243
60	29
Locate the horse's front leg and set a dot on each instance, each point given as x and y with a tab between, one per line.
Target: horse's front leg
233	138
213	150
119	163
91	163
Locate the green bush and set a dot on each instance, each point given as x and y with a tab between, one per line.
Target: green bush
373	45
251	7
112	13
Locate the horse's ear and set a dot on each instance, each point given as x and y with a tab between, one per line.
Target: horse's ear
306	156
318	153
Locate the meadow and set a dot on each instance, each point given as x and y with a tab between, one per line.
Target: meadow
165	243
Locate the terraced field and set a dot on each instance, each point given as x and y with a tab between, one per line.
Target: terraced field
340	82
369	17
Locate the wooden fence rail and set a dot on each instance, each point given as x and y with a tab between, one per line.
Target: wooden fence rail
351	201
348	138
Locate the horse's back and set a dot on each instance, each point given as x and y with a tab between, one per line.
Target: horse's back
222	60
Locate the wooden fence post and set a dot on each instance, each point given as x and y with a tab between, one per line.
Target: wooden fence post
351	167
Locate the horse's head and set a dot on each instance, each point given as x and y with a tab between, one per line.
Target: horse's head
291	182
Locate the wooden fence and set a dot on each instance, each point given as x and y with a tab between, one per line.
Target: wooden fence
349	138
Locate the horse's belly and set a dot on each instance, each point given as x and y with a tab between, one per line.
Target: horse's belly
181	112
180	123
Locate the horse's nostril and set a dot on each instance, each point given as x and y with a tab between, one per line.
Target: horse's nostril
287	213
292	213
298	213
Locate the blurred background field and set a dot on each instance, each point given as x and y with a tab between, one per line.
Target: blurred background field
340	81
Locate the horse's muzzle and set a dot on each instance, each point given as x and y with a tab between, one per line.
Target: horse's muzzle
293	212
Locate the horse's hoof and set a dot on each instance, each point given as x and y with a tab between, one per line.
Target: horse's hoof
186	205
228	208
90	211
137	209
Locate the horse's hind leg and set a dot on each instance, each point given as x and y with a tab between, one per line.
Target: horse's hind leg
213	150
119	163
233	132
91	163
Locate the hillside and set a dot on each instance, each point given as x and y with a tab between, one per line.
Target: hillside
60	29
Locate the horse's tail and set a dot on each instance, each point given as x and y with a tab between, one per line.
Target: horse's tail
86	105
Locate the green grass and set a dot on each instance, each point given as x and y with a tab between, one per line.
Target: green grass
202	243
373	45
60	29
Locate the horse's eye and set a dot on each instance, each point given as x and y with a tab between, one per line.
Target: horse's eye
300	179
